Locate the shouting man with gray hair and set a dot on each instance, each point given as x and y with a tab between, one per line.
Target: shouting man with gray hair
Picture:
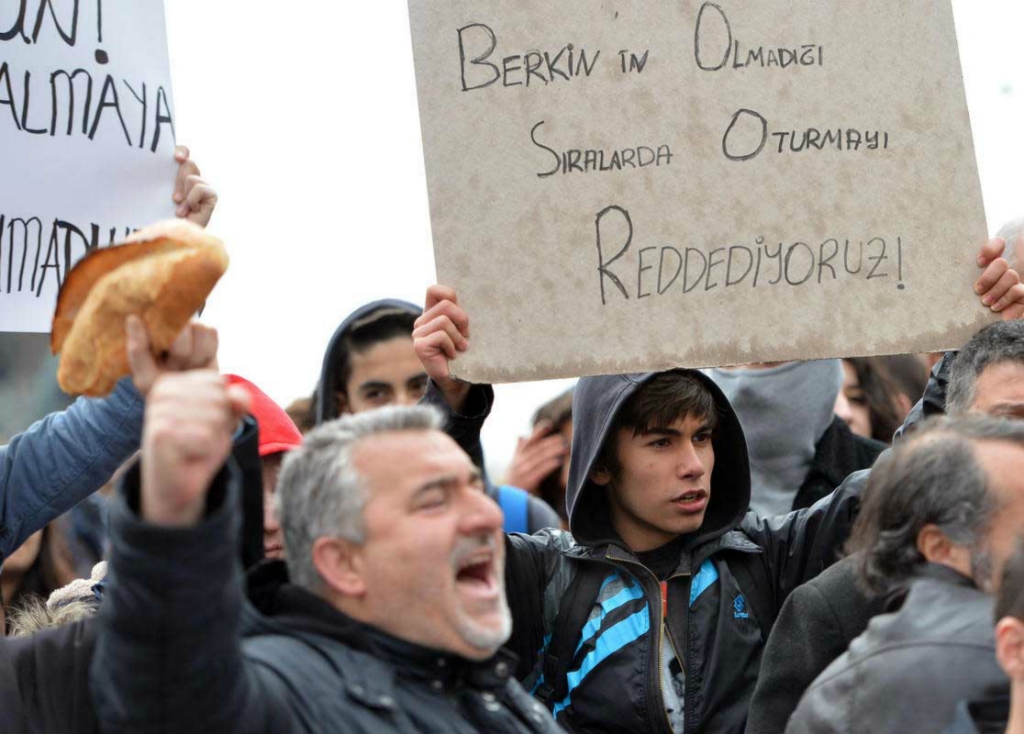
396	608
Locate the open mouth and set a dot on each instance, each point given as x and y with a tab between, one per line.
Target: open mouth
476	573
694	500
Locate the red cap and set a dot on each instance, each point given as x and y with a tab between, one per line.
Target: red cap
277	431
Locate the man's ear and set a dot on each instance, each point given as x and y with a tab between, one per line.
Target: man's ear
342	400
340	564
1010	647
933	544
936	547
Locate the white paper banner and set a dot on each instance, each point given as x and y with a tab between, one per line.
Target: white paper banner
87	139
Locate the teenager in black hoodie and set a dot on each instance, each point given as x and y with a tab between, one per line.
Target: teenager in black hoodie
678	582
369	363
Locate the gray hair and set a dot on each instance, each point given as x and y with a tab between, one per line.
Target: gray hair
994	344
320	493
933	478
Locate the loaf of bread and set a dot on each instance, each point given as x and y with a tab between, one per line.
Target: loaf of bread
163	274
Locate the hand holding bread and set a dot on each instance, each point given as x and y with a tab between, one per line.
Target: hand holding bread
163	275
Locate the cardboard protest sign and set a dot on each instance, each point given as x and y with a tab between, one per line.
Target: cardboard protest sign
636	184
87	134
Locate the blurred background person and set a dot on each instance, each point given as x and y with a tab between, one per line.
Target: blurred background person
878	393
540	464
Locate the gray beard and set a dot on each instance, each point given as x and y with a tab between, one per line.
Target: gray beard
485	638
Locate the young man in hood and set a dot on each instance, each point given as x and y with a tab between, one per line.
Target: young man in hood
370	363
651	614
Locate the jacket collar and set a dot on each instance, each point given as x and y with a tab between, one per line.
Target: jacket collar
690	556
282	604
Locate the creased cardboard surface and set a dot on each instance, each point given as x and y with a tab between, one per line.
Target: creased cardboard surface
841	215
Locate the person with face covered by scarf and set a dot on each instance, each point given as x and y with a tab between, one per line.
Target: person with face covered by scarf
799	449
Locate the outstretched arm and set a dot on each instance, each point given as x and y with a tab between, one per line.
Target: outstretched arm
169	647
67	456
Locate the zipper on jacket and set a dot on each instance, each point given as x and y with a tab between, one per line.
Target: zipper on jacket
662	617
668	632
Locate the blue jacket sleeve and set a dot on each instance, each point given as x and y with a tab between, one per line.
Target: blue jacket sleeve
62	459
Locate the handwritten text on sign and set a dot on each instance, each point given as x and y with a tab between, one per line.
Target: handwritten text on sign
87	130
693	183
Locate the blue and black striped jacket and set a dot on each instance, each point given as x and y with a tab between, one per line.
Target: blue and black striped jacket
620	679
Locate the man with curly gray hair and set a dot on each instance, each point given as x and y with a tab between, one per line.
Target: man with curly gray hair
940	517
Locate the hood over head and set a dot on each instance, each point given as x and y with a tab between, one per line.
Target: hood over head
596	403
326	406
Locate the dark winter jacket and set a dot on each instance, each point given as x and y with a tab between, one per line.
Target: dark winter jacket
539	514
170	654
48	689
617	680
838	454
910	668
817	623
12	719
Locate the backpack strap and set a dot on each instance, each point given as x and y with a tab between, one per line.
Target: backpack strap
750	570
573	613
515	504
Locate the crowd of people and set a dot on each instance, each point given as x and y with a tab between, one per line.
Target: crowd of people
829	546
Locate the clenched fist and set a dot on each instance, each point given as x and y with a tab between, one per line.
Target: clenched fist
186	438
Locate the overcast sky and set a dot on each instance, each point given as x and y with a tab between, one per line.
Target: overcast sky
303	115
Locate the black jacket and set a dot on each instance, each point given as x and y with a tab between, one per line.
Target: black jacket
817	623
539	514
616	682
44	678
47	690
838	454
910	668
170	654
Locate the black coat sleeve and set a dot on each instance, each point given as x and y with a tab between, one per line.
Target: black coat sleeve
168	652
806	638
247	456
465	427
802	544
530	563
